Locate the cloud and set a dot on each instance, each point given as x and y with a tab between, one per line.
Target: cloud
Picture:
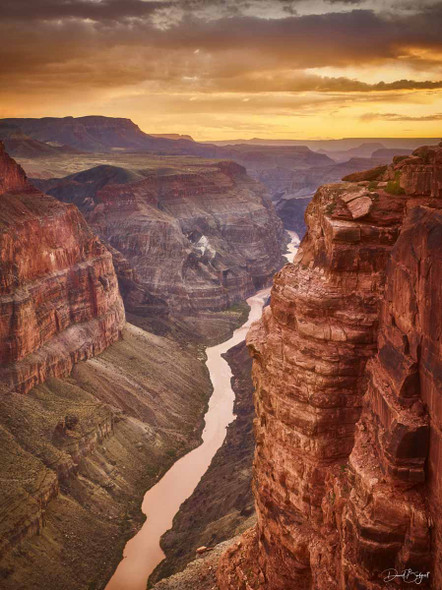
101	10
344	1
243	56
298	81
72	29
367	117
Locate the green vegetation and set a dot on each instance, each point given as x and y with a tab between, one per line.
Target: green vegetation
393	186
330	208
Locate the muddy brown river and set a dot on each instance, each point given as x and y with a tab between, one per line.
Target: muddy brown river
143	553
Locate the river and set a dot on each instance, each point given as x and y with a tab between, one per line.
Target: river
143	553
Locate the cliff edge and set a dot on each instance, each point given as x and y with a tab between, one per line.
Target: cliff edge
348	377
58	289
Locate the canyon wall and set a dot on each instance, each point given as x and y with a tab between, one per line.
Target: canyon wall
92	411
189	236
348	377
77	455
58	289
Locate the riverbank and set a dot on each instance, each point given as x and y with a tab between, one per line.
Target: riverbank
143	553
222	504
77	455
162	502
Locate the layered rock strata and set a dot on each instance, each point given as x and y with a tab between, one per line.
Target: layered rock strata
190	238
77	455
58	289
347	369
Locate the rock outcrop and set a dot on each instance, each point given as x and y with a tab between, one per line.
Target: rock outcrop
348	376
191	235
58	289
103	417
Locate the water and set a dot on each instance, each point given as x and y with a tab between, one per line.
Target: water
292	246
143	553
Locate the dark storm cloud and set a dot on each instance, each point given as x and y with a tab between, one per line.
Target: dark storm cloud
49	43
311	40
103	10
301	41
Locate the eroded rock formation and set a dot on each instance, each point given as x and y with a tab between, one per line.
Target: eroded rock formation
348	376
77	455
58	289
78	451
191	236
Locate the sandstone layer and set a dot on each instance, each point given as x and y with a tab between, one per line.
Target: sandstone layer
59	295
187	236
347	370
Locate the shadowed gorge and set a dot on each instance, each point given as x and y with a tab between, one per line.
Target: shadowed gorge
86	440
190	236
222	504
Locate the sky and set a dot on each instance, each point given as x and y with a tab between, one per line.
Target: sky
223	69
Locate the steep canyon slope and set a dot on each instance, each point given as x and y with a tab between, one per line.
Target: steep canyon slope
347	370
92	410
59	294
188	235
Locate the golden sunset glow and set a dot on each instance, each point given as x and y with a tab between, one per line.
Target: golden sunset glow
218	69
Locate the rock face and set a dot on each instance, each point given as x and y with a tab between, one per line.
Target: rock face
348	376
190	238
58	289
19	145
293	185
78	451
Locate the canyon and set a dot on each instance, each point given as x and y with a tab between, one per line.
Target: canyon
117	270
189	235
347	370
94	410
88	420
290	170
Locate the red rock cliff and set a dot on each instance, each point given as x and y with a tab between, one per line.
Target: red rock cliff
348	377
58	289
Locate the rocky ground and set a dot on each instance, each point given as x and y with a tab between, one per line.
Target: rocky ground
80	453
199	574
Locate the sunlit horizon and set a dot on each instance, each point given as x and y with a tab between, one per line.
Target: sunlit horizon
229	69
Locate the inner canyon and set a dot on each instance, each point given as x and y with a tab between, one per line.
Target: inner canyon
220	363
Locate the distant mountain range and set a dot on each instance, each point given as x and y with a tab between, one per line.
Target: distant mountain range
336	144
103	134
291	170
